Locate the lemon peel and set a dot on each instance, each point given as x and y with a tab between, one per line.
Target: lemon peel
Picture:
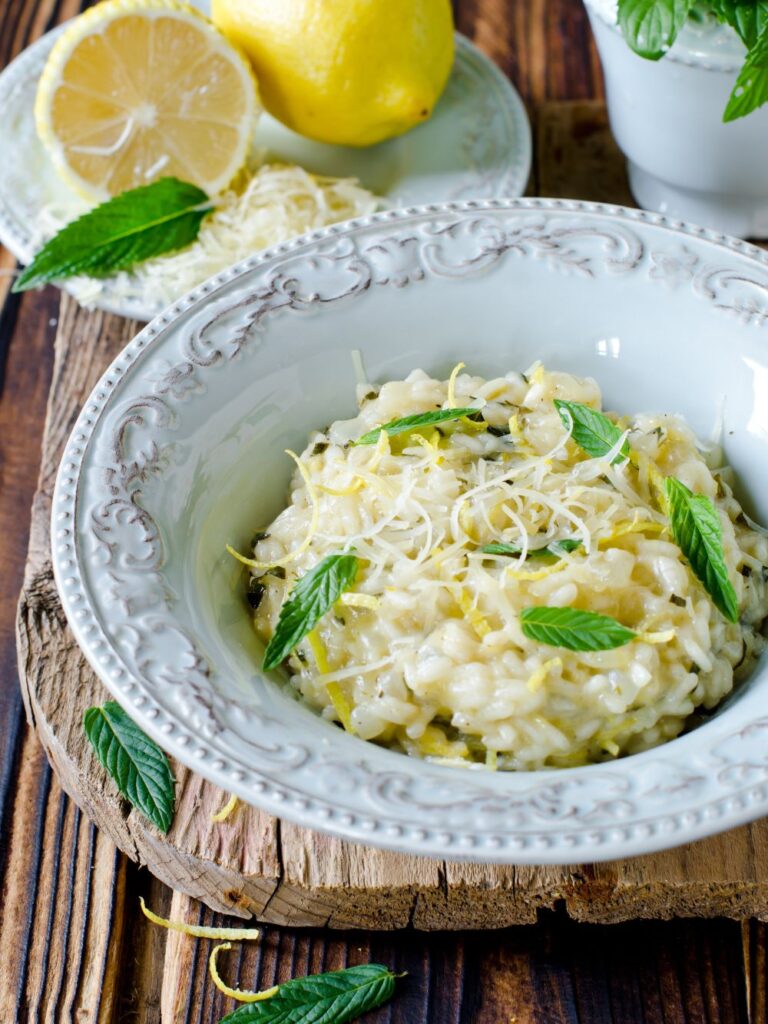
224	812
529	575
319	652
434	743
311	531
355	600
199	931
661	637
537	678
241	995
381	449
636	525
341	705
472	615
452	385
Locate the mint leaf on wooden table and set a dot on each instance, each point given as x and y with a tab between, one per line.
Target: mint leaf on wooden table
556	549
136	763
333	998
312	596
574	629
421	419
651	26
751	89
126	230
592	431
698	532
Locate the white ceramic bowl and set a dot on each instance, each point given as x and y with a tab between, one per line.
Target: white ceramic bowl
180	449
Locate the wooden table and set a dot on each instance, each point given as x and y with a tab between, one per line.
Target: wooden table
73	945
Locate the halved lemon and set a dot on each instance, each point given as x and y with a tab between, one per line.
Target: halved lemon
136	90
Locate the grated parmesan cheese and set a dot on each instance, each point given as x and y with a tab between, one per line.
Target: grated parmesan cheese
275	203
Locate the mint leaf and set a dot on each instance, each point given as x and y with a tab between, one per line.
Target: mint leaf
136	763
421	419
748	19
751	89
548	553
591	430
127	229
651	26
312	596
698	533
574	629
333	998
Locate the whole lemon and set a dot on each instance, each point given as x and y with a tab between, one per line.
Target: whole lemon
351	72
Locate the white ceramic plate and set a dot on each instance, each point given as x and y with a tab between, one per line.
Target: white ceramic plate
179	450
477	144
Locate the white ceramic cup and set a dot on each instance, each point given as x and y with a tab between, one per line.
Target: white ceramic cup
666	115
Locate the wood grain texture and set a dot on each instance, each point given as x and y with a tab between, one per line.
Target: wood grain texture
73	946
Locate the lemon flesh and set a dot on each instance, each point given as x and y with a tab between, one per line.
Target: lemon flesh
135	90
352	72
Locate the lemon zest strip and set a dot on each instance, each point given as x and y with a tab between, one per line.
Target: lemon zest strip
434	743
382	448
235	993
538	574
341	705
354	600
319	653
226	810
199	931
662	637
636	525
452	385
299	551
538	677
473	616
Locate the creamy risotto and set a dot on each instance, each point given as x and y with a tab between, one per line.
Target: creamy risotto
458	528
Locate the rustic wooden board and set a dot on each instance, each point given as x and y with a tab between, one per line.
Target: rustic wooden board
255	865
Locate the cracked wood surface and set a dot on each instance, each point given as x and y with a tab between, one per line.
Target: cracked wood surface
72	943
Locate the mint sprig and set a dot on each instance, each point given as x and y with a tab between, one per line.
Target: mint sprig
698	532
136	763
747	17
312	596
574	629
592	431
333	998
126	230
751	89
651	27
408	423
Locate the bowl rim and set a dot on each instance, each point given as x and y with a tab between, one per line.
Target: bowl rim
600	842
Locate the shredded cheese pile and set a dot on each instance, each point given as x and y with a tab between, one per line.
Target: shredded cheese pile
273	203
426	653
